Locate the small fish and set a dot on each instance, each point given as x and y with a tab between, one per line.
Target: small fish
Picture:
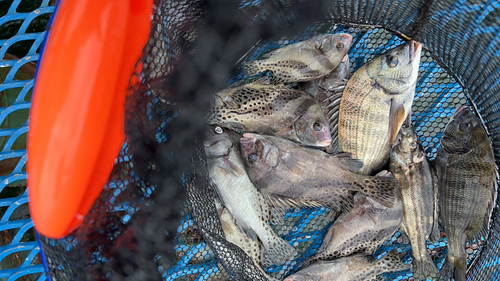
360	267
293	175
361	230
327	91
271	110
303	61
409	164
237	193
467	177
375	102
234	235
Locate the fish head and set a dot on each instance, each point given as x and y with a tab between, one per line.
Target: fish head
312	128
335	46
407	147
219	141
259	154
397	69
463	132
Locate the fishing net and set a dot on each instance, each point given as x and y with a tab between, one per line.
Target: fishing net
156	217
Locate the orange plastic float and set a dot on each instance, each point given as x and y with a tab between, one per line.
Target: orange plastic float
76	125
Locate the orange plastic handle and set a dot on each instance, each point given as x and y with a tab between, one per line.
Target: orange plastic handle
76	125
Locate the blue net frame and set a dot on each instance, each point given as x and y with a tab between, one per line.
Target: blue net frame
25	24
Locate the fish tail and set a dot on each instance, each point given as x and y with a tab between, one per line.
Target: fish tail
277	251
251	68
391	262
453	269
380	189
424	269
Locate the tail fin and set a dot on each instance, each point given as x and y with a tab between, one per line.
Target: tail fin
278	252
425	269
251	68
453	269
381	189
391	262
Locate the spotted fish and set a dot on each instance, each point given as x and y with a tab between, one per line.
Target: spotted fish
467	177
417	183
360	267
237	193
303	61
361	230
271	110
294	175
375	102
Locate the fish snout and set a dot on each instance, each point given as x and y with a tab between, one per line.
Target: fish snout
346	39
247	141
415	49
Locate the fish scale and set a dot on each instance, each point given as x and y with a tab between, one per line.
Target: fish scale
409	164
375	102
467	187
272	110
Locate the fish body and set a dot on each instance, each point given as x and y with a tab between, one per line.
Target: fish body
303	61
352	268
361	230
237	193
234	235
409	164
294	175
271	110
467	177
322	89
375	102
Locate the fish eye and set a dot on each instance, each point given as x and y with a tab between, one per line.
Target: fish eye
218	130
393	61
317	126
340	46
413	145
252	157
464	126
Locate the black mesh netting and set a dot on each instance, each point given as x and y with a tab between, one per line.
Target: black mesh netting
141	228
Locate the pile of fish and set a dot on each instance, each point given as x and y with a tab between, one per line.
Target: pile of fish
313	135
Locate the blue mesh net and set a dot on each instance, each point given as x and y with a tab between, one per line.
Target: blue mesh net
22	31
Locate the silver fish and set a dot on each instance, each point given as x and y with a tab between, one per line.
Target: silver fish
271	110
360	267
468	178
293	175
374	104
409	164
237	193
303	61
361	230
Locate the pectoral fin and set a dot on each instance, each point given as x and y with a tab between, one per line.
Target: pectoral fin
397	116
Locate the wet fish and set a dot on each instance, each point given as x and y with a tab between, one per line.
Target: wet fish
293	175
467	187
375	102
353	268
327	91
271	110
234	235
237	193
303	61
409	164
361	230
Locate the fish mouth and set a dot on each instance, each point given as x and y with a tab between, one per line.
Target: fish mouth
246	140
460	109
415	49
324	143
347	40
345	58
